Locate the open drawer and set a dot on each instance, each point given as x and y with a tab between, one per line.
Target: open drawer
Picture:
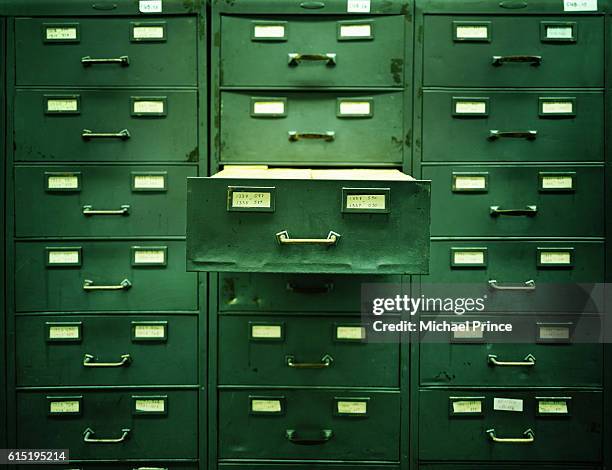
247	219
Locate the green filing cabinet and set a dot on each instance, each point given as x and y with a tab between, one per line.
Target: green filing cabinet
4	360
108	119
509	102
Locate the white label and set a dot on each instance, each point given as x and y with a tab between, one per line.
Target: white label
557	182
64	332
350	332
66	104
468	257
554	332
71	406
470	182
556	107
148	32
469	333
355	108
269	31
559	32
269	107
366	201
251	199
579	5
470	107
144	107
358	6
64	257
63	182
472	32
353	407
149	181
555	257
61	33
507	404
149	256
266	406
149	331
150	405
150	6
266	331
552	407
467	406
355	30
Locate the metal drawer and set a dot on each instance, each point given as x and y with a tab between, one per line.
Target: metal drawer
101	201
106	350
106	51
103	276
292	223
106	125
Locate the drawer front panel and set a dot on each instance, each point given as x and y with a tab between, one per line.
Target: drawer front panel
105	125
101	200
497	466
560	426
306	424
552	51
329	128
148	425
286	293
308	51
303	466
486	125
105	51
135	465
282	350
104	350
564	286
538	201
393	242
103	276
564	352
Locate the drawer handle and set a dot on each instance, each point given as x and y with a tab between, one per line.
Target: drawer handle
534	60
529	361
123	134
528	286
495	134
89	210
89	432
326	361
88	361
326	435
530	437
324	289
529	211
328	136
295	58
89	285
87	61
284	239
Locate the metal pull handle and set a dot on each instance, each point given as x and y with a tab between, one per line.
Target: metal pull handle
495	134
88	134
295	58
528	286
326	435
87	61
326	361
89	210
89	432
529	361
530	437
89	285
88	361
324	289
529	211
328	136
534	60
284	239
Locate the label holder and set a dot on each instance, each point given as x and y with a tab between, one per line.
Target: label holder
47	98
544	25
475	24
143	413
469	249
341	115
263	24
50	249
135	249
75	26
360	340
456	188
274	99
281	399
280	338
542	414
76	324
556	265
156	114
149	339
149	24
465	414
385	192
342	24
52	174
556	99
338	400
231	190
471	99
74	398
569	326
559	174
135	174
